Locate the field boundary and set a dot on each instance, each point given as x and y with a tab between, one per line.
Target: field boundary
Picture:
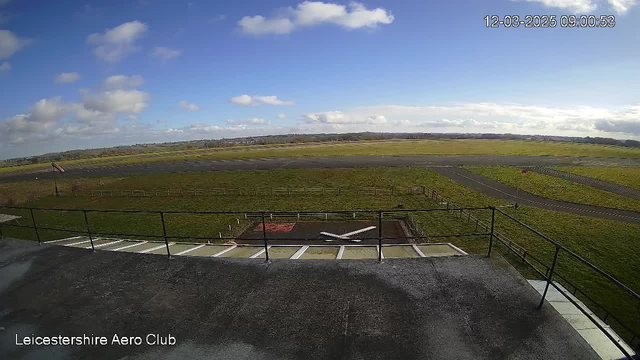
256	191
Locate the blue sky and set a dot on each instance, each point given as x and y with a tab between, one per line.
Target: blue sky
78	74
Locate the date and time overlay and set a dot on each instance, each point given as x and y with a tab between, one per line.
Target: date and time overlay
550	21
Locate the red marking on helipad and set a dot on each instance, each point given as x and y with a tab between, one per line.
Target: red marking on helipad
276	227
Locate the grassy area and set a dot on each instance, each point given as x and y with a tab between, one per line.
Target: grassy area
610	245
623	176
387	147
555	188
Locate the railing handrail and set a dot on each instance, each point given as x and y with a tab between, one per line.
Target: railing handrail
578	257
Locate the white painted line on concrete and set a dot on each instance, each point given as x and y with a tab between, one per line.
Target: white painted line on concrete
55	241
77	243
154	248
359	231
129	246
225	251
189	250
258	253
105	244
458	249
299	253
415	247
340	252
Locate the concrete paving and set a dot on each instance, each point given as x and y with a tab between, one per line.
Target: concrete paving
465	307
585	327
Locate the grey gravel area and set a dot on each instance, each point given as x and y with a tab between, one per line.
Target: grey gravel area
469	307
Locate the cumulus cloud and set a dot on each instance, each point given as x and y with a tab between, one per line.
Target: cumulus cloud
252	121
114	44
127	101
164	53
622	6
339	117
10	43
120	82
67	77
5	66
479	117
587	6
281	116
189	107
98	113
312	13
246	100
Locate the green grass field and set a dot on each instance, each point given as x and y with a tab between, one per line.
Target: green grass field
387	147
623	176
610	245
555	188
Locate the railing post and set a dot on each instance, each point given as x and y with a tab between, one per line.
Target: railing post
493	221
86	222
553	266
264	237
379	236
35	226
164	234
1	234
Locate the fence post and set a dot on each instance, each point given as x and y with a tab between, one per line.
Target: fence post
164	234
35	227
86	222
264	237
493	219
553	266
379	236
1	235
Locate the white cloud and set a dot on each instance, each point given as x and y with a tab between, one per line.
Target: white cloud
252	121
246	100
67	77
5	66
164	53
189	107
97	114
119	82
116	43
622	6
312	13
126	101
483	117
575	6
281	116
10	43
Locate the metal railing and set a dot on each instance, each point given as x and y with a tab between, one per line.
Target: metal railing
379	215
550	271
262	215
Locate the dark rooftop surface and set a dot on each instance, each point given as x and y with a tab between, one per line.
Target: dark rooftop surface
468	307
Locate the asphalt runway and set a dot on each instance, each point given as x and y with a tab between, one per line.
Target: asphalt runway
328	162
444	164
599	184
501	191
